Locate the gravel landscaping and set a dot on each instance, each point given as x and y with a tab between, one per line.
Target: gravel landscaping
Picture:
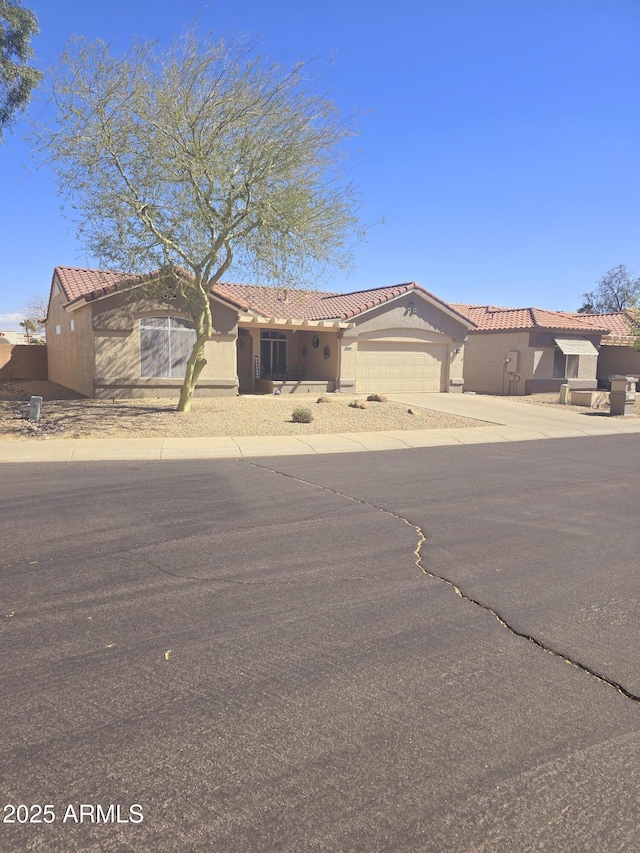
66	414
551	399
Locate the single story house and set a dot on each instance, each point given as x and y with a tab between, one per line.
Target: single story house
618	353
107	338
529	350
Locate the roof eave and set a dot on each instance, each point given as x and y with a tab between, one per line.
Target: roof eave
424	294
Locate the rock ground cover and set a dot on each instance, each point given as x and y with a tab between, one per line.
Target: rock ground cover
66	414
551	399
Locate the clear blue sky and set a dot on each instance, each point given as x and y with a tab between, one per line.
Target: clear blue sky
500	139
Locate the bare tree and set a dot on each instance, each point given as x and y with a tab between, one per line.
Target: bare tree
36	311
198	160
17	79
615	291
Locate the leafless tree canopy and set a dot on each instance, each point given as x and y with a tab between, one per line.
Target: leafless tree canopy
36	311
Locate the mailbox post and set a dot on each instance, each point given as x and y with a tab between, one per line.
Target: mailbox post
623	395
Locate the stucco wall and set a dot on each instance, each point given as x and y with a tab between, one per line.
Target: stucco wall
544	346
316	366
70	345
117	350
618	360
23	361
410	319
485	371
484	366
587	367
100	355
415	316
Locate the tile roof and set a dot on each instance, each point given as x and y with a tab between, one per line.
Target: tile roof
491	318
617	322
317	304
286	303
77	283
272	301
343	306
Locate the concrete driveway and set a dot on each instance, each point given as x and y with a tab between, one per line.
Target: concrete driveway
530	419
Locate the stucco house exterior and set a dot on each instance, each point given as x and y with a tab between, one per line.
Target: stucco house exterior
618	354
529	350
107	339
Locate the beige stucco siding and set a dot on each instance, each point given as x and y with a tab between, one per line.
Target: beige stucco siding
95	348
587	366
319	362
485	370
116	324
618	360
70	345
484	362
407	345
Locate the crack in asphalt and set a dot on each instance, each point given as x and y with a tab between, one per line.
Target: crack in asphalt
628	694
142	558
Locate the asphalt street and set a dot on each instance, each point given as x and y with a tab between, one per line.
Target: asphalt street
419	650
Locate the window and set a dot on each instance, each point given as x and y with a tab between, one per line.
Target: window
58	330
273	354
564	366
165	346
72	325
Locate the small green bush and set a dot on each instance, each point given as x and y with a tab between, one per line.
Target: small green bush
358	404
377	398
300	415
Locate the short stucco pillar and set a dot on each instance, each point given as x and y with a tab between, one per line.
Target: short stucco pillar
565	390
623	395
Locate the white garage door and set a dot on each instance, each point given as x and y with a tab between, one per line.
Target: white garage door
387	367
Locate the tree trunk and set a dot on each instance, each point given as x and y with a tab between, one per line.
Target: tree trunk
195	365
204	329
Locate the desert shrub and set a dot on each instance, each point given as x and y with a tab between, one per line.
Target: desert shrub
377	398
324	400
358	404
300	415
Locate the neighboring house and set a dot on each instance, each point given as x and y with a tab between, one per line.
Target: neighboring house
618	353
529	350
106	339
11	337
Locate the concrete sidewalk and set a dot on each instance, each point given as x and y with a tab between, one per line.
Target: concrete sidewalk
501	420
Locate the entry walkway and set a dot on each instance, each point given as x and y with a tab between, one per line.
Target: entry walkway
501	420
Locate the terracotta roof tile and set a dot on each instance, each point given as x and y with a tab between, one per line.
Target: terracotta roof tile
345	305
286	303
315	304
77	283
617	323
490	318
273	301
487	317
